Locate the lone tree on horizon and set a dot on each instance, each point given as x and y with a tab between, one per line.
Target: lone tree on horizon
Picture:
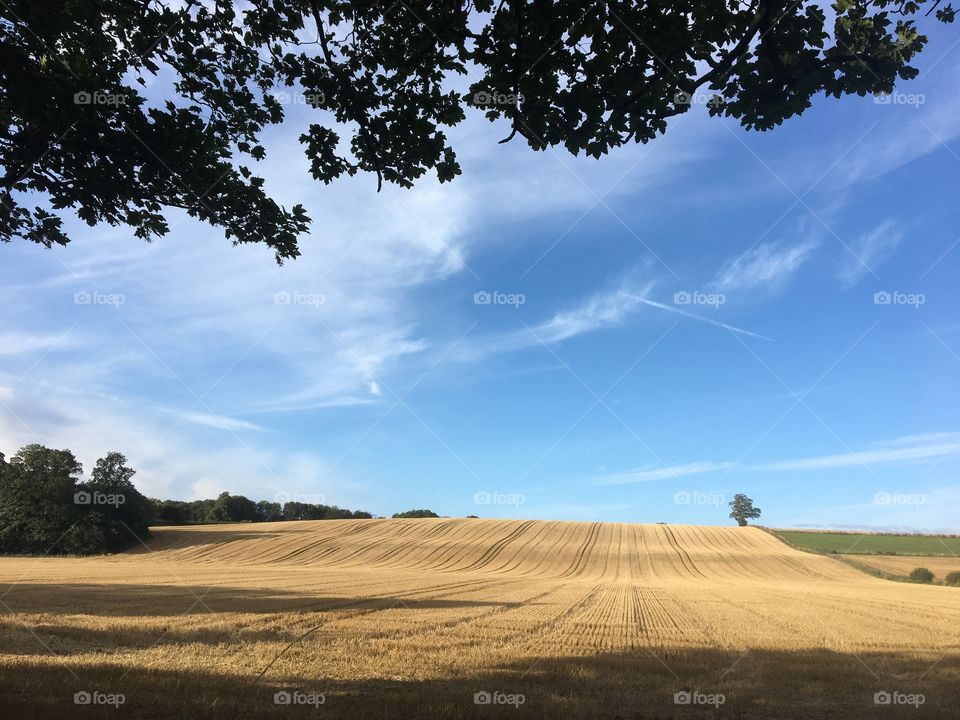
119	110
742	509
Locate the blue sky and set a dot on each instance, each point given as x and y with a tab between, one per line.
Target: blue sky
666	327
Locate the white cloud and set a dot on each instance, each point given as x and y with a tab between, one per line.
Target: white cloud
642	475
602	310
910	448
903	449
333	402
910	132
220	422
19	342
171	460
608	308
922	438
767	264
870	250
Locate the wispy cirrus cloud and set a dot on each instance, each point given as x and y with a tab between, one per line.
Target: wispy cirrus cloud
18	342
652	474
914	129
922	438
219	422
870	250
765	265
905	449
908	448
607	308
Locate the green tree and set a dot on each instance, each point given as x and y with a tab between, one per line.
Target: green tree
37	505
416	514
233	508
952	578
77	126
921	575
201	511
114	513
269	511
171	511
742	509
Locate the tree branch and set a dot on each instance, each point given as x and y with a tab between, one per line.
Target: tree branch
358	115
725	64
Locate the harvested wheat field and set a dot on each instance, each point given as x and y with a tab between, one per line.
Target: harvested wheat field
457	618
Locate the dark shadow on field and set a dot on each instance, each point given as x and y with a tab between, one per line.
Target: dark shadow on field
763	684
124	599
181	537
241	615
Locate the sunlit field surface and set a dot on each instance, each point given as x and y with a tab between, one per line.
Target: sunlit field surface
466	618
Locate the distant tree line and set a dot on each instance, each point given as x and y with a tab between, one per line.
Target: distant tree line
46	509
237	508
416	514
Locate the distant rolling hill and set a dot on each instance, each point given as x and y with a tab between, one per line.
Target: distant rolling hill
519	548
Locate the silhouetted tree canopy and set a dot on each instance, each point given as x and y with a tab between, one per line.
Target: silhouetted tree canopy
416	514
114	525
120	109
45	509
237	508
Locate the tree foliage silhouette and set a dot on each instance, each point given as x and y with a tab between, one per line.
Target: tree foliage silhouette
121	109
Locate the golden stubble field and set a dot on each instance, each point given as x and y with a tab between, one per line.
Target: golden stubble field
464	618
